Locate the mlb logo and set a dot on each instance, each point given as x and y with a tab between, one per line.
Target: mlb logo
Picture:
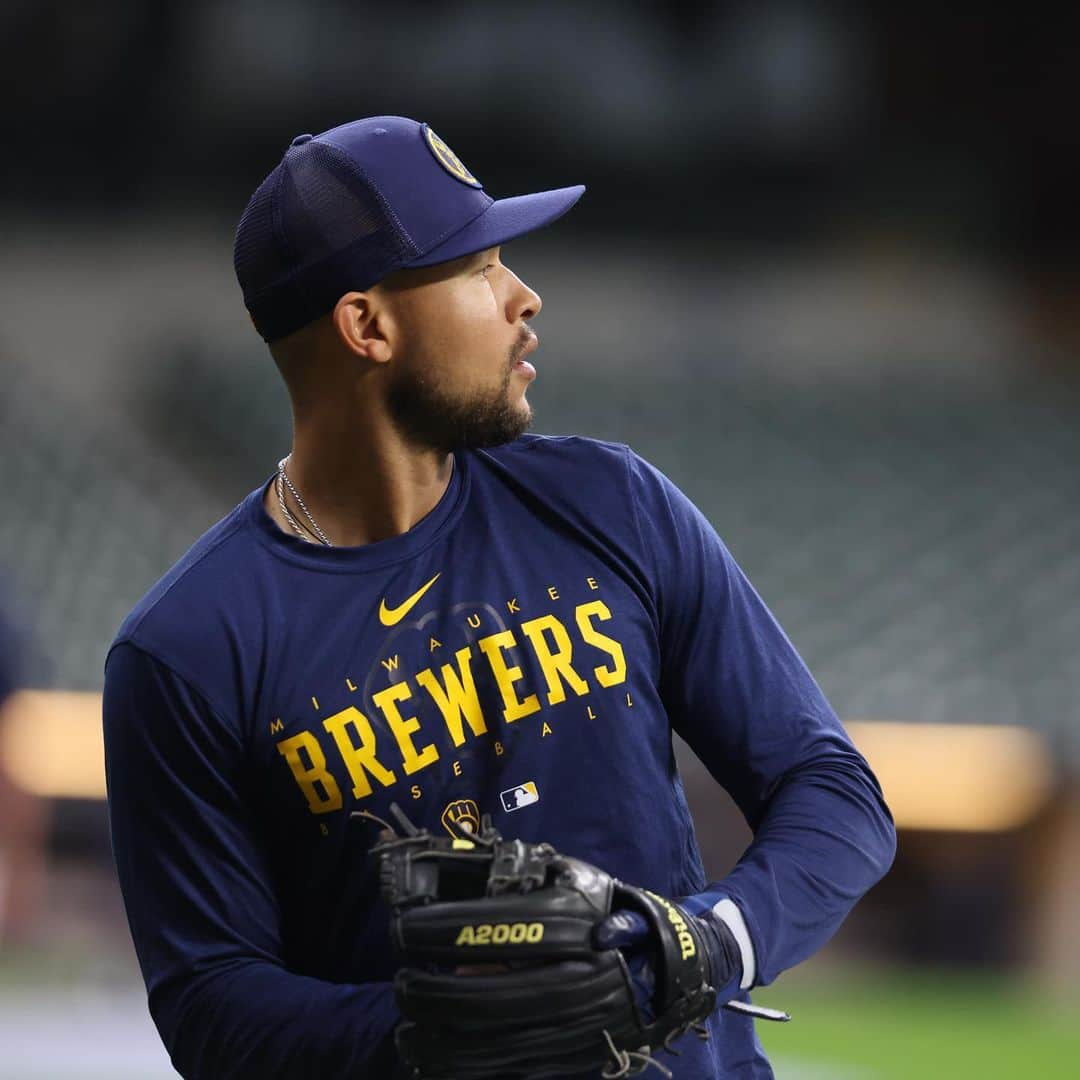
516	797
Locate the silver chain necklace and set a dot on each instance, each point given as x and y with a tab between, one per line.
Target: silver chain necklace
283	478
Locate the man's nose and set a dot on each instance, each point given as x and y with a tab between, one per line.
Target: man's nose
524	302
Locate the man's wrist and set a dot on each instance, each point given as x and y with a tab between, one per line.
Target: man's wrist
729	944
722	955
727	912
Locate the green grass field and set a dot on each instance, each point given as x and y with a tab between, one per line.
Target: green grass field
920	1026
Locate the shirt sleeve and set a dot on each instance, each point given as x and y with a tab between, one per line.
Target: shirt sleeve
202	912
740	695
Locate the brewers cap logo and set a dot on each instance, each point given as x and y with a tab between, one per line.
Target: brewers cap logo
448	159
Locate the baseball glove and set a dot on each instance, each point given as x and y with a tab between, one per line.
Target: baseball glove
501	975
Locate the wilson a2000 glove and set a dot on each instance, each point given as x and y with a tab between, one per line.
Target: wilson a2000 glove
502	975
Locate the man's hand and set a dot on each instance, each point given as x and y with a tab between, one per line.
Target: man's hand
629	931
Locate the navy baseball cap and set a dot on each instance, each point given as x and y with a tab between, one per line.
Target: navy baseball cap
345	208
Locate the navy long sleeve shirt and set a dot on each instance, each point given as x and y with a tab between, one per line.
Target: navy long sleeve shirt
526	650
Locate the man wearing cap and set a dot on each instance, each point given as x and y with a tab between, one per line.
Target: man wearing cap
423	605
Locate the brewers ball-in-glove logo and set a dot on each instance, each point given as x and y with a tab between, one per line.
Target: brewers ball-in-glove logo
461	814
448	159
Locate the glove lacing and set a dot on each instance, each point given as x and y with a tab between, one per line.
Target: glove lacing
629	1062
632	1062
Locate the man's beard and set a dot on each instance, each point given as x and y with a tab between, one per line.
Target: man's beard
431	419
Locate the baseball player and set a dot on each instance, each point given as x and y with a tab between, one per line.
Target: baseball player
424	606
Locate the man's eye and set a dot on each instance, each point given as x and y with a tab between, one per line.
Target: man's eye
490	266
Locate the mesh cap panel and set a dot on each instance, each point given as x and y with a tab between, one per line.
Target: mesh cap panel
314	229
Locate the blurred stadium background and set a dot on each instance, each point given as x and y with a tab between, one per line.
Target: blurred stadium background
826	275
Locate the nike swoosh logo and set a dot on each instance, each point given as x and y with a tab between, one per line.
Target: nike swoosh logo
392	616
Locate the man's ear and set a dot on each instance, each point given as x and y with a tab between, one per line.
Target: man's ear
362	324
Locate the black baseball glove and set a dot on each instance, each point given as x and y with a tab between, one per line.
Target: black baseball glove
502	976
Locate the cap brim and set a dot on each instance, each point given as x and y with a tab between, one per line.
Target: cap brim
503	220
